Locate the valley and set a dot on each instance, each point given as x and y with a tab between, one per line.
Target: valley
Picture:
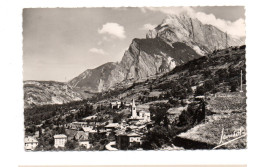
191	103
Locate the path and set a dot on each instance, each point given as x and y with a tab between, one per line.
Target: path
109	146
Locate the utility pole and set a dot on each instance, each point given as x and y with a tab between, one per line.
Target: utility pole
241	81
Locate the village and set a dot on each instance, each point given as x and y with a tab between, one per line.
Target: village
129	132
176	110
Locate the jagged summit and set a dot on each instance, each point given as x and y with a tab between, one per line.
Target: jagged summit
203	38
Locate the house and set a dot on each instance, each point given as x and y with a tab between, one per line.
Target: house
82	138
145	115
116	104
111	126
60	140
30	143
134	137
70	133
79	125
124	140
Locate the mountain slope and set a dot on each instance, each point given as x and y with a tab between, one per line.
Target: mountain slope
48	92
216	72
145	57
177	40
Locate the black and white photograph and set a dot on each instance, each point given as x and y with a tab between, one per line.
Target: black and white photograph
134	78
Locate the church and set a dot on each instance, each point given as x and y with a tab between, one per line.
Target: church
139	115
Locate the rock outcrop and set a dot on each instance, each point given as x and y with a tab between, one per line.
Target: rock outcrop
144	58
177	40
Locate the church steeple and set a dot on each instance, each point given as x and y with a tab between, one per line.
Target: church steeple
133	109
133	103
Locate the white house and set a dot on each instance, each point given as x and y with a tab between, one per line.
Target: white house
134	137
145	115
116	104
60	140
30	143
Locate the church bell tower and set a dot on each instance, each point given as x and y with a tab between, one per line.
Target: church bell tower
133	109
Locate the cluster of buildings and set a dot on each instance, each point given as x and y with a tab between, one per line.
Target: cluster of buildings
125	133
131	132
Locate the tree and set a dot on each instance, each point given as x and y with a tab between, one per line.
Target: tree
174	101
151	88
200	91
222	74
209	85
159	113
194	114
155	138
118	117
234	85
71	145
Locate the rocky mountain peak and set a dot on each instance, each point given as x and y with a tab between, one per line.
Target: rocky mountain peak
203	38
177	40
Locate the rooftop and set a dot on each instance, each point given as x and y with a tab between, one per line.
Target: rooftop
133	134
81	136
130	134
60	136
112	125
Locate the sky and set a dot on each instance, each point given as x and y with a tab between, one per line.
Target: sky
61	43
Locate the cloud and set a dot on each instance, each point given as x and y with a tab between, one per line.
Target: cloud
97	51
148	26
235	28
113	29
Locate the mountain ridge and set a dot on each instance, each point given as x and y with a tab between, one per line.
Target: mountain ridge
155	53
